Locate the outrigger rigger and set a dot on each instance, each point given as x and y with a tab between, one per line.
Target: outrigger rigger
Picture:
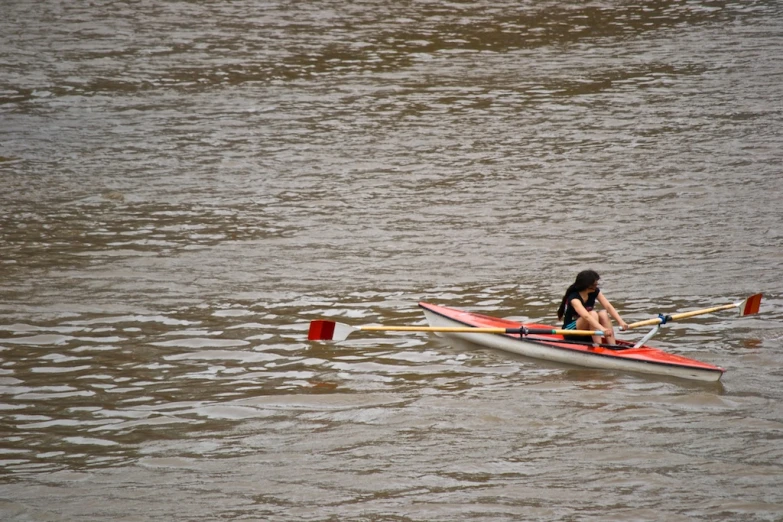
544	342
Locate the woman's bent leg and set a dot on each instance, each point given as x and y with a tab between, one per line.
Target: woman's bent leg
606	322
584	324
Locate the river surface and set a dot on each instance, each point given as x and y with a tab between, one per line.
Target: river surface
186	184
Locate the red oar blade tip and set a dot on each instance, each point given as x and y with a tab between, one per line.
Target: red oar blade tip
323	330
750	305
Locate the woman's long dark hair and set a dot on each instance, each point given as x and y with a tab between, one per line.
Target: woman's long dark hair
584	279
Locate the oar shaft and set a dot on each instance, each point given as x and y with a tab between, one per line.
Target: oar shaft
325	330
469	329
445	329
684	315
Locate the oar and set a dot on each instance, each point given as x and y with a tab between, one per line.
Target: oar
748	306
323	330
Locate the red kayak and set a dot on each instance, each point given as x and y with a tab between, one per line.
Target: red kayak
543	342
553	347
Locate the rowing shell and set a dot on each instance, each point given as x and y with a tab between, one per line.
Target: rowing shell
624	357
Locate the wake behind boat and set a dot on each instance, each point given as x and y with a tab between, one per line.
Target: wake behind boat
553	347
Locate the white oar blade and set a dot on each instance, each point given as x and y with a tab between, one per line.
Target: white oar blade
750	305
322	330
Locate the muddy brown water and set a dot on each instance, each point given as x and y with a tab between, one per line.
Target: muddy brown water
185	185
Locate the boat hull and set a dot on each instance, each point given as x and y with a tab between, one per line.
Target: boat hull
644	359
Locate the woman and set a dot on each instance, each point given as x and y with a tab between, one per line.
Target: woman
576	309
